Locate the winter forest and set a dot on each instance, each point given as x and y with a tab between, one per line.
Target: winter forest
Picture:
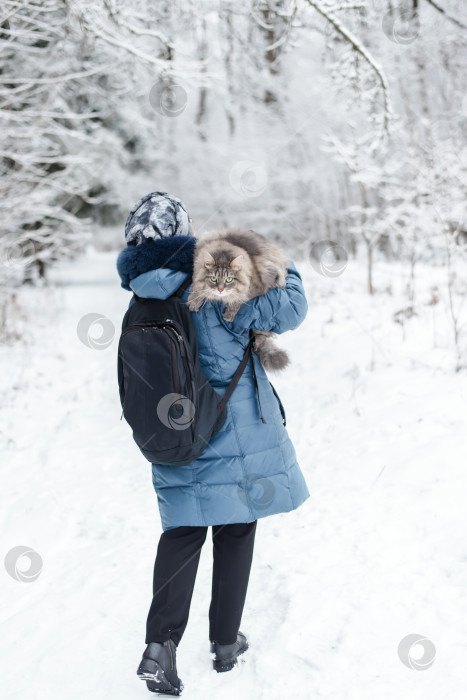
338	130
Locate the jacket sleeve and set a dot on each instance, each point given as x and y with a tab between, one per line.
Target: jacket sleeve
279	310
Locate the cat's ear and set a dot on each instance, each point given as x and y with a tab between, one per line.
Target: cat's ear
208	260
236	263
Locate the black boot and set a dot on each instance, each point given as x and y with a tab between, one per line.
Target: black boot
226	654
158	668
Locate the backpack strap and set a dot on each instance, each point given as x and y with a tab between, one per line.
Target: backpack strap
256	381
182	287
238	373
241	367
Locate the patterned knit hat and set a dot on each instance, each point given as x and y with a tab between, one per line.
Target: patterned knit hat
157	215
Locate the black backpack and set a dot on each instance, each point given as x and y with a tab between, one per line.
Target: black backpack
166	399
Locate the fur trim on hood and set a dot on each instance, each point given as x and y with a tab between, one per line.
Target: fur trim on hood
175	252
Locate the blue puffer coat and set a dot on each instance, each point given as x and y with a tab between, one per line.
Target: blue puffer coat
249	469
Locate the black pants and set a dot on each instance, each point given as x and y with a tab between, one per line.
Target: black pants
175	570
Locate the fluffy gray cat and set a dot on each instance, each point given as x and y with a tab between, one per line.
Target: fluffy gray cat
233	266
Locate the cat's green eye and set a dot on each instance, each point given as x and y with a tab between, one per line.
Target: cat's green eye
228	279
213	279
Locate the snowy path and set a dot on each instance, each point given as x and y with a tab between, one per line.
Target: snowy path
378	551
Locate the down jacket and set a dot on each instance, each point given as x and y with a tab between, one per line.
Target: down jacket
249	469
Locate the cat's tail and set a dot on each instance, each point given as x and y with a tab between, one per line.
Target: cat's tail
271	357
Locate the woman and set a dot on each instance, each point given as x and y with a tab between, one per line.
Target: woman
247	471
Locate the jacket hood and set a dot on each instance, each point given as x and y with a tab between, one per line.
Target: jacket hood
158	284
174	253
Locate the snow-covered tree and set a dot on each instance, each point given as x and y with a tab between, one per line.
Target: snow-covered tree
304	119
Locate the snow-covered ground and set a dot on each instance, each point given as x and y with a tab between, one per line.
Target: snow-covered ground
377	553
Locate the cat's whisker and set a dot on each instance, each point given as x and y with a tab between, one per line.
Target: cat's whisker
195	297
194	294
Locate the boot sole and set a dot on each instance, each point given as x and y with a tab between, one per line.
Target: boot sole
156	680
227	665
156	689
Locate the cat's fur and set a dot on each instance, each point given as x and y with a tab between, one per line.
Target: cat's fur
255	266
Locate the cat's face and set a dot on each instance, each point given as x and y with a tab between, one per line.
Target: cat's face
222	277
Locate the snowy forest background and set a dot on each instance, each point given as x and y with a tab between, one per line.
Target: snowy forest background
307	121
339	130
